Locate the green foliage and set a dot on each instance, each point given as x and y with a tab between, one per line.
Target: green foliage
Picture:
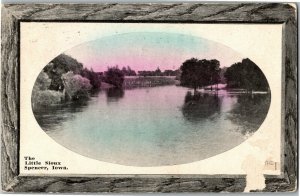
114	76
94	77
76	86
59	66
199	73
246	75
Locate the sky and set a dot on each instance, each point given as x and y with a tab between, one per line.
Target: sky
148	51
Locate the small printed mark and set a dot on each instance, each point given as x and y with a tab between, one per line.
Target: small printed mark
271	165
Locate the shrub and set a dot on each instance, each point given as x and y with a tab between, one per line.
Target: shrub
46	98
59	66
114	76
41	96
76	86
42	82
94	77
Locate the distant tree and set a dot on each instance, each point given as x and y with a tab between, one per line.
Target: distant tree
76	86
114	76
144	73
246	75
199	73
95	78
124	71
59	66
169	72
157	72
128	71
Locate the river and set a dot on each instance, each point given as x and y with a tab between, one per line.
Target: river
155	126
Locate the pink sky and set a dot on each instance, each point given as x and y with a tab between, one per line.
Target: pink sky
145	51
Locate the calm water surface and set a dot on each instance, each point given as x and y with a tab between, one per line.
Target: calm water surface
155	126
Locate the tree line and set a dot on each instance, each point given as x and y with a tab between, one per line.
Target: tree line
64	78
245	75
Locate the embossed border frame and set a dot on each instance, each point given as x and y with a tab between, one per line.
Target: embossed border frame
268	13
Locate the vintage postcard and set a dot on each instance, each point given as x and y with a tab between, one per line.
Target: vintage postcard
130	98
174	97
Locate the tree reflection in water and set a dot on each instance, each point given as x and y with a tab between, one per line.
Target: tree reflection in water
250	111
200	106
114	94
54	115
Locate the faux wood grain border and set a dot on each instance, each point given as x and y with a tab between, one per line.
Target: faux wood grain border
13	14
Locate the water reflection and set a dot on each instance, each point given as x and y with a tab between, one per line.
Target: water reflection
163	122
250	111
200	106
245	110
114	94
53	116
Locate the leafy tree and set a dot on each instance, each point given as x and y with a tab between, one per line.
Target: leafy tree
199	73
157	72
59	66
169	72
114	76
94	77
128	71
76	86
246	75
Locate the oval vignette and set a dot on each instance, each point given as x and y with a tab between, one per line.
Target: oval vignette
150	99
